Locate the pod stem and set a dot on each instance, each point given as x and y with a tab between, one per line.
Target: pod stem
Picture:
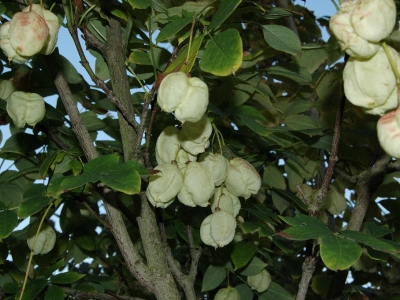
32	250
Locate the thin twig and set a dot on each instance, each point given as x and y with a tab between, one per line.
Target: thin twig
333	156
101	84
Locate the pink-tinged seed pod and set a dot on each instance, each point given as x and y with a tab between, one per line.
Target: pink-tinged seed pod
218	165
388	128
28	33
349	41
374	20
198	185
370	82
194	135
5	45
25	108
218	229
242	180
164	185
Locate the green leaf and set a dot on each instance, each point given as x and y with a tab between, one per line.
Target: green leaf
54	293
297	107
304	228
301	123
255	126
254	267
276	292
125	180
140	4
71	75
11	194
74	182
282	38
293	72
244	291
66	278
213	277
32	206
373	242
180	64
247	111
376	230
46	164
226	8
85	240
101	164
242	253
274	178
21	143
223	54
172	28
33	288
139	57
338	253
8	221
291	198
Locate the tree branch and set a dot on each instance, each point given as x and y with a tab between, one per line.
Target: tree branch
97	296
289	21
131	256
308	270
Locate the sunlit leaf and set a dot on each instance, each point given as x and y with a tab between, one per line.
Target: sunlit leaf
226	8
223	54
338	253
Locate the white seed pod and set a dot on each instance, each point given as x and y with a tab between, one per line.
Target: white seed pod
167	145
388	129
348	39
28	33
391	103
45	241
173	89
194	105
198	185
374	20
194	135
25	108
370	82
218	165
5	45
260	282
228	293
6	89
165	185
183	158
218	229
242	180
223	199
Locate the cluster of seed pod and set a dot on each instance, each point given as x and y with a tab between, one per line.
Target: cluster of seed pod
370	79
32	31
186	171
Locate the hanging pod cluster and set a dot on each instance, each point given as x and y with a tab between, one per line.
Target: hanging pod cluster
32	31
187	172
369	77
